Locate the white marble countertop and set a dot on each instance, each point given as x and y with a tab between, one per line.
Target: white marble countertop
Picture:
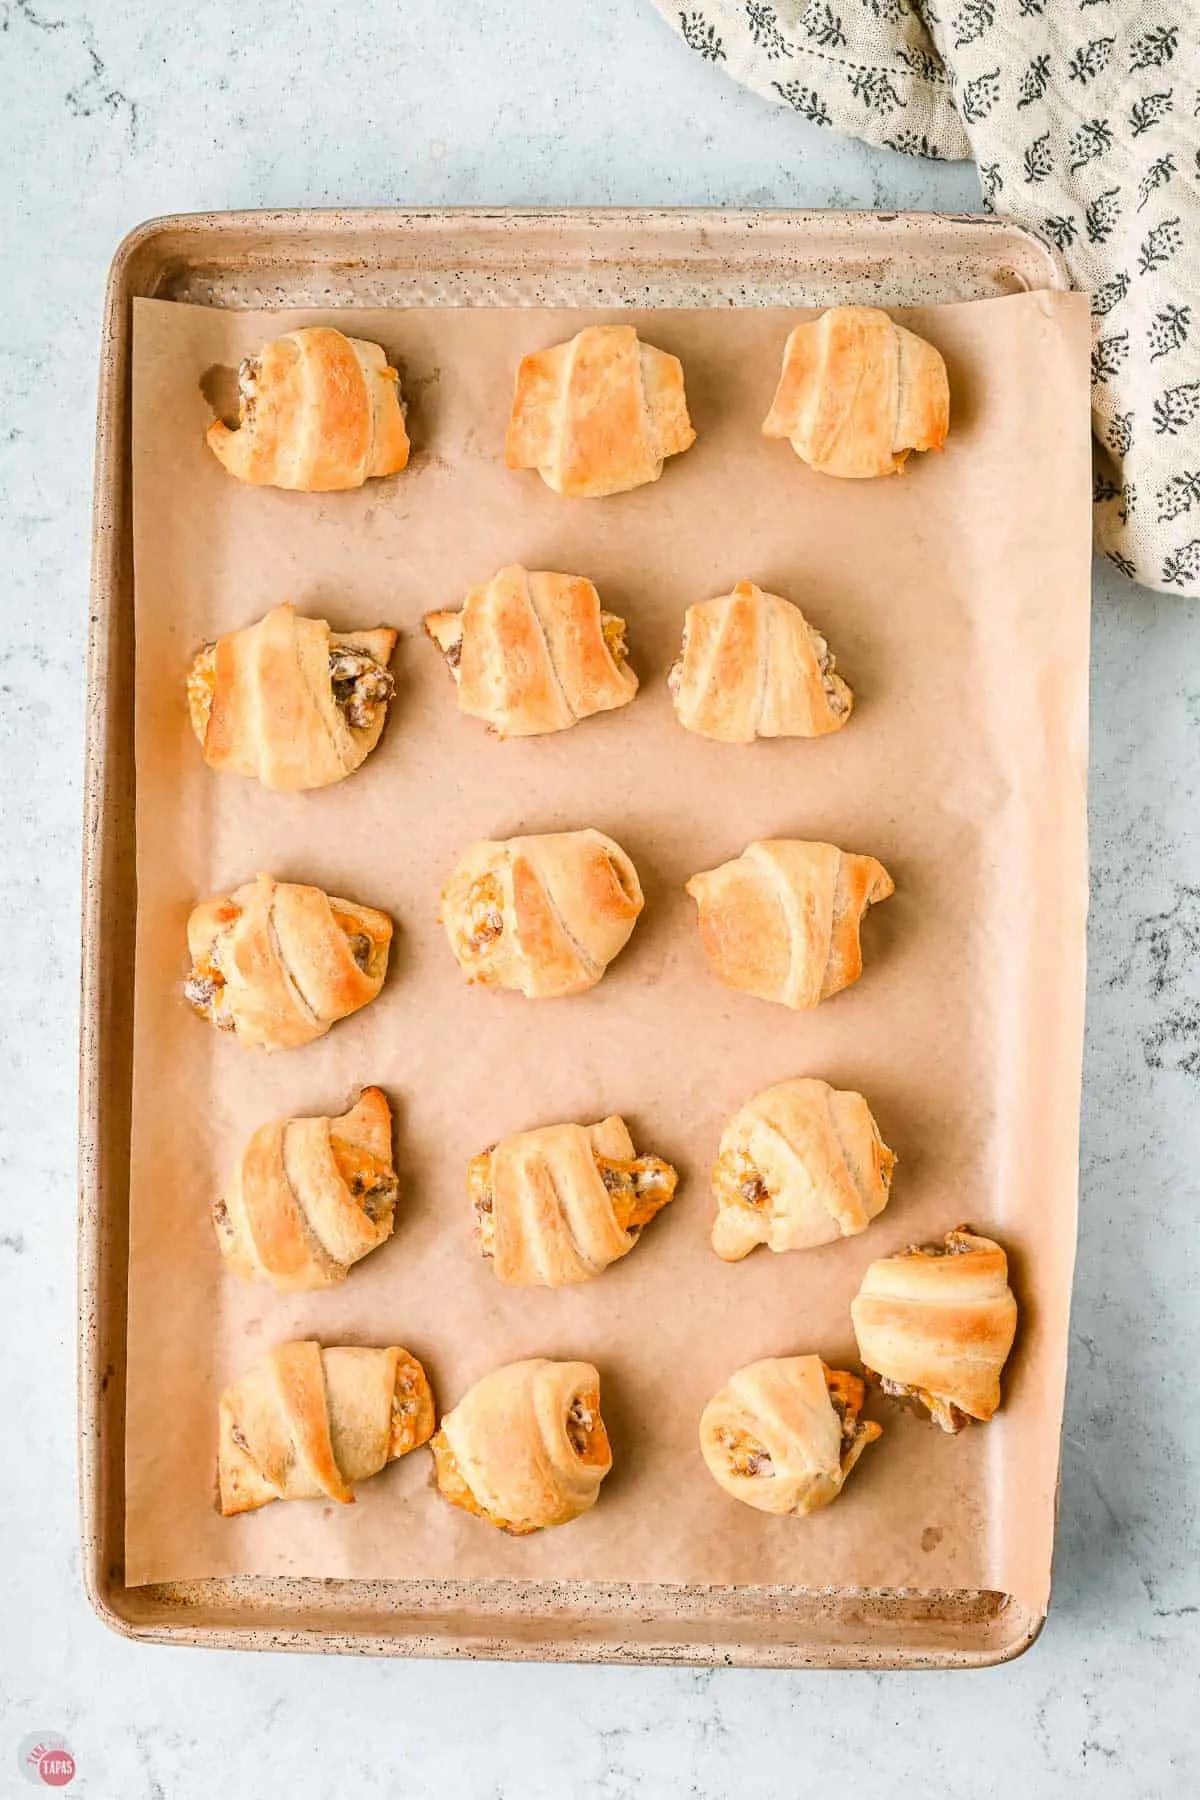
115	112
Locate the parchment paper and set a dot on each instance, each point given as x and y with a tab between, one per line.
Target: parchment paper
956	600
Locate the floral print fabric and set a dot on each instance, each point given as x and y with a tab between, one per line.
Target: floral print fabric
1082	116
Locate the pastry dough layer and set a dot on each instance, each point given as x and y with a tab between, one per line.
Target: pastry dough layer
318	412
277	963
937	1322
783	1434
310	1197
782	919
599	414
307	1423
560	1204
858	393
533	652
541	915
289	702
752	666
800	1164
525	1448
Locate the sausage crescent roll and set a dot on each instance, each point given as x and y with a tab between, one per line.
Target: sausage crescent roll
290	702
782	919
525	1448
801	1164
278	963
307	1423
783	1434
310	1197
559	1204
542	915
937	1323
532	653
858	393
598	415
752	666
318	412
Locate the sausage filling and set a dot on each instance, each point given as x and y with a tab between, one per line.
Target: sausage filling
204	989
614	636
846	1395
362	687
638	1188
943	1412
412	1415
484	922
374	1186
747	1456
201	689
249	370
826	666
737	1181
359	943
585	1430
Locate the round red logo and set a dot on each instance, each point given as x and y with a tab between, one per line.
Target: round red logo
45	1759
56	1767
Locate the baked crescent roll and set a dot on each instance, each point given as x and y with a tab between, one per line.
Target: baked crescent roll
310	1197
559	1204
858	393
289	701
783	1434
532	653
278	963
307	1423
318	412
525	1448
599	414
752	666
782	919
937	1323
542	915
801	1164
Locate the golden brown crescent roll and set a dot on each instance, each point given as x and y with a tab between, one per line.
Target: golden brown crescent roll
599	414
532	653
278	963
858	393
543	915
525	1448
560	1204
752	666
782	919
799	1165
783	1434
290	702
310	1197
318	412
307	1423
937	1322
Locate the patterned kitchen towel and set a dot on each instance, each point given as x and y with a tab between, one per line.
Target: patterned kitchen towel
1081	115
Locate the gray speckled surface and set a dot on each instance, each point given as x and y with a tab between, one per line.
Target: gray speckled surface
116	112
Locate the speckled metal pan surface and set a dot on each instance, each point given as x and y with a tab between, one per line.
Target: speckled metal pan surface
451	258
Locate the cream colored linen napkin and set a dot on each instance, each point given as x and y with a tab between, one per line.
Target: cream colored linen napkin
1082	117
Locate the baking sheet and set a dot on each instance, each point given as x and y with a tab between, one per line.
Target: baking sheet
956	600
